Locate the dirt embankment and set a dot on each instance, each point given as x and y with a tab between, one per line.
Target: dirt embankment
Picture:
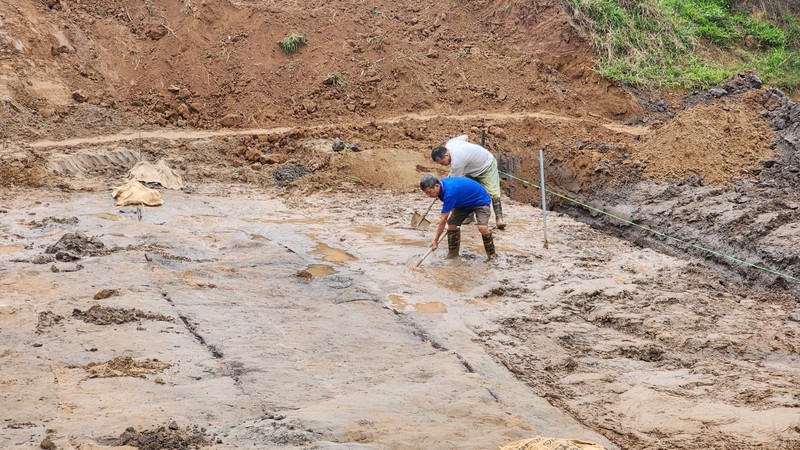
605	331
720	176
101	65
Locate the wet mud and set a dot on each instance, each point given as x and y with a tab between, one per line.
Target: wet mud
295	332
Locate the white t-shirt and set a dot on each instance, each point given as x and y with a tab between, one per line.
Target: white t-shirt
466	158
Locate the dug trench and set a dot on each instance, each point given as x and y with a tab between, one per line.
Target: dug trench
274	301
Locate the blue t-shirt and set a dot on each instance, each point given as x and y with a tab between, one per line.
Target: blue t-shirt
462	193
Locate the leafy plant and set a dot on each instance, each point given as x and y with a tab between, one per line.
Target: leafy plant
293	42
377	12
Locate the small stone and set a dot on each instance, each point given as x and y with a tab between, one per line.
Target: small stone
304	274
43	259
273	158
310	106
47	444
232	121
105	293
156	33
80	97
498	132
253	154
183	110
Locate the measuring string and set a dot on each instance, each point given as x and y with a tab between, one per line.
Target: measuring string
656	232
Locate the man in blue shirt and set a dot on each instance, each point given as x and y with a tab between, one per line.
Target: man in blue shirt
460	197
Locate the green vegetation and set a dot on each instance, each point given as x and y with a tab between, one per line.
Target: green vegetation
293	42
336	80
688	43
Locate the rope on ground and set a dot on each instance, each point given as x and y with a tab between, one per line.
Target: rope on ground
656	232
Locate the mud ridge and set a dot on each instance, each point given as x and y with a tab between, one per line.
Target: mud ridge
216	353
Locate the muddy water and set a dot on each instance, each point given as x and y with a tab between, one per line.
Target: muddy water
370	348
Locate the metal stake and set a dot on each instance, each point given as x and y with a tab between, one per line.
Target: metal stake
544	199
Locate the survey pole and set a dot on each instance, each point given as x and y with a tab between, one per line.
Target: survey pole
544	198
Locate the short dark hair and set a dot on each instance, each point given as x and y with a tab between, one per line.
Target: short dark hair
438	153
428	182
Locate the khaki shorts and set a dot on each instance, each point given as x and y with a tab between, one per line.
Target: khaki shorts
490	179
458	215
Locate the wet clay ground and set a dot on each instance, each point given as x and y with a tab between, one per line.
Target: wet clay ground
235	318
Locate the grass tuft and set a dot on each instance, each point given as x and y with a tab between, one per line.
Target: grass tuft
293	42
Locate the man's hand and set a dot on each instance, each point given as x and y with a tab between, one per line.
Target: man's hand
435	243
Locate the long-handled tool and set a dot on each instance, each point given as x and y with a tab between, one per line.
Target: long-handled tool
429	251
417	219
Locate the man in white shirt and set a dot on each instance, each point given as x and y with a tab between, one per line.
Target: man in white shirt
471	160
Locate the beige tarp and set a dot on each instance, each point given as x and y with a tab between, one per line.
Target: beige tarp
546	443
135	193
160	173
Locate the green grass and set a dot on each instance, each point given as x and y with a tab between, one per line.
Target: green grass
656	43
293	42
336	80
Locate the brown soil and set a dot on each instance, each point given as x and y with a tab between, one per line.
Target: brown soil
718	143
303	322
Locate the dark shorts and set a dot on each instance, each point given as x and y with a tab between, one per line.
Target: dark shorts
458	215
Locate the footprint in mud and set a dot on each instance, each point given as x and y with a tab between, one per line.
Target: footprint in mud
47	319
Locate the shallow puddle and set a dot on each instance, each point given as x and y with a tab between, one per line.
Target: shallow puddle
291	220
321	270
431	307
105	216
398	303
490	301
331	254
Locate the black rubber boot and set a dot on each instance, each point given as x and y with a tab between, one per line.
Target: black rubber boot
497	205
453	243
488	244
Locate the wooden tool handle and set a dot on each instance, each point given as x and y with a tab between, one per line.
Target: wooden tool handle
429	250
